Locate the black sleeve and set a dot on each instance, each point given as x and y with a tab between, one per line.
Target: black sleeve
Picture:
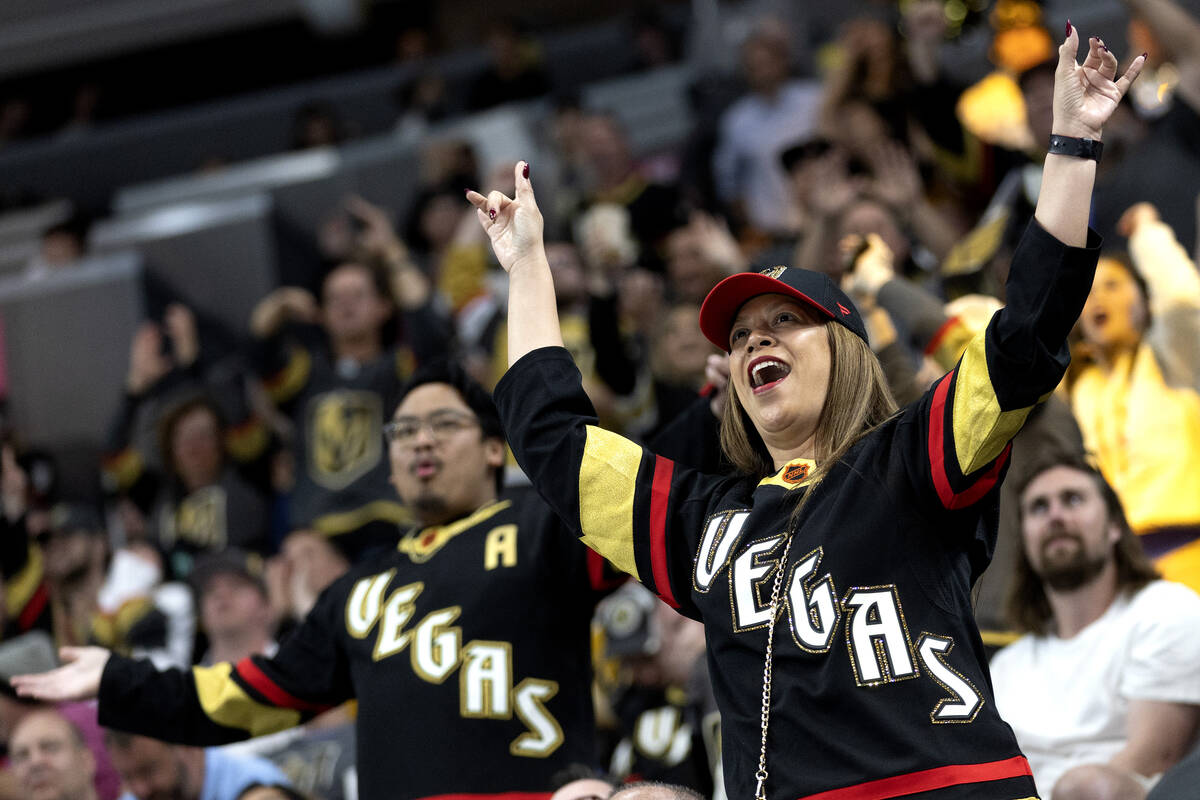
214	705
965	423
639	510
693	439
14	546
614	364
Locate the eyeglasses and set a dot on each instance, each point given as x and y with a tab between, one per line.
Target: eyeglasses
440	424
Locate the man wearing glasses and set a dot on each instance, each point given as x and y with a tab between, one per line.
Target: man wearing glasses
467	647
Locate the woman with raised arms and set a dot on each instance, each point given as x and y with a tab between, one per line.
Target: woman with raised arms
833	574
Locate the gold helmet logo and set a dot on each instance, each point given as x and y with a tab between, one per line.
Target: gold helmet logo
772	272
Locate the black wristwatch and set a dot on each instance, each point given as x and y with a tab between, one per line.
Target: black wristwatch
1079	148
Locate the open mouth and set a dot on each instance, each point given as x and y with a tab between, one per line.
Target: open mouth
1099	318
765	373
426	468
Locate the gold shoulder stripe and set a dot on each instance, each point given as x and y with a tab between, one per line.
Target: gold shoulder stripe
247	441
120	471
607	481
20	588
287	383
981	429
227	704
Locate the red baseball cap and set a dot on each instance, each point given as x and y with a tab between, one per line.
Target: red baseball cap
814	289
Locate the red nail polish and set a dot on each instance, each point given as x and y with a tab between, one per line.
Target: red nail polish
1068	28
466	191
525	171
491	213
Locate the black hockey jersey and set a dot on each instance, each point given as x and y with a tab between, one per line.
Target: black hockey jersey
880	686
467	649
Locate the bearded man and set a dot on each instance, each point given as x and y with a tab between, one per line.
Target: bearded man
1103	690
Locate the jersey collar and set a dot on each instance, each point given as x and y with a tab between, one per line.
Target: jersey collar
420	545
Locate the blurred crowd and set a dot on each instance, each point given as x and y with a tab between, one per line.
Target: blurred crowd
240	482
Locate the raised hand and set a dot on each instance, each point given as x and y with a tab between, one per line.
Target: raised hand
514	225
147	364
180	323
1135	216
287	303
894	176
871	267
378	235
716	372
1086	95
718	244
77	679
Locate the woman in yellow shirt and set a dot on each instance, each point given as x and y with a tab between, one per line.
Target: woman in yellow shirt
1136	392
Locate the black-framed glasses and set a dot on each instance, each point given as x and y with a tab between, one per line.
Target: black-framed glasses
441	425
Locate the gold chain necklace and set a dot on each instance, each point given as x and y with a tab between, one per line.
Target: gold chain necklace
760	792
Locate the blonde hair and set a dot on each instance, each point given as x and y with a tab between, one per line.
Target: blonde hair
858	400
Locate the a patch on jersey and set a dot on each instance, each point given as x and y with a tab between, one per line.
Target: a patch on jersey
773	272
345	432
792	475
198	522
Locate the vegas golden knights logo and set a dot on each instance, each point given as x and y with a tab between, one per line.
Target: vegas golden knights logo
198	522
345	436
772	272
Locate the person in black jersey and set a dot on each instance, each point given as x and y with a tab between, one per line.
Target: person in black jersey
468	682
833	574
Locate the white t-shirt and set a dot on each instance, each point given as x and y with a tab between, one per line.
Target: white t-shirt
1067	699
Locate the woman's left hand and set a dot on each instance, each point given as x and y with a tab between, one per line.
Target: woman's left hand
1086	95
514	226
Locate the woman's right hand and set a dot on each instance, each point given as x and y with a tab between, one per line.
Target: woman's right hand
514	226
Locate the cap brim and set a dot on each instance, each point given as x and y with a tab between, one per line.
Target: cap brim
723	302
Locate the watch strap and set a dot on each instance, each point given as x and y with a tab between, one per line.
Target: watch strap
1078	148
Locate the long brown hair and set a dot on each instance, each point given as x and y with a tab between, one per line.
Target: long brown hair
858	400
1026	608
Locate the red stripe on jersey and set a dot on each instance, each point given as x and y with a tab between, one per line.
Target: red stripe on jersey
937	456
598	573
928	780
660	492
940	334
34	608
501	796
271	690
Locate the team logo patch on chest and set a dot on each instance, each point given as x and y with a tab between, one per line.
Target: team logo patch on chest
199	521
345	436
